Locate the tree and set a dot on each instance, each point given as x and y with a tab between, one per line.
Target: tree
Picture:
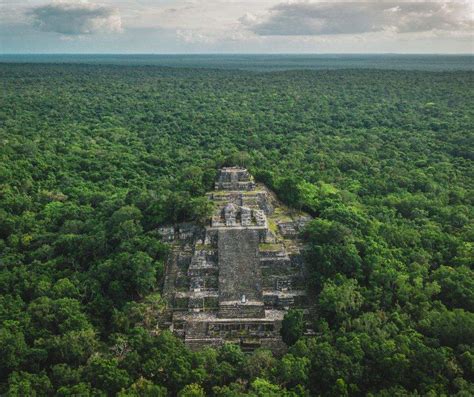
263	388
125	277
332	249
231	361
260	364
143	388
339	299
450	327
293	326
457	286
294	370
164	360
27	384
125	223
201	209
192	390
289	192
105	374
80	389
13	347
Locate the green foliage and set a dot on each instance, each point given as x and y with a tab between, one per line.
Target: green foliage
263	388
143	388
451	328
13	346
457	286
105	374
192	390
292	326
260	364
93	159
28	384
339	299
294	371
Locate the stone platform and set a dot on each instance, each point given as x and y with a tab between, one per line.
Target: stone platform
234	279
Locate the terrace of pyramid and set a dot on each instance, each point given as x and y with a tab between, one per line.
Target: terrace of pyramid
233	279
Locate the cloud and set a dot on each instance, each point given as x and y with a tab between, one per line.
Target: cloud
192	36
303	18
76	18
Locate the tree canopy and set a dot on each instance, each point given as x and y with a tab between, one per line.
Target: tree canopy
94	158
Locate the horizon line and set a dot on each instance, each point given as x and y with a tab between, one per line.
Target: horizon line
237	53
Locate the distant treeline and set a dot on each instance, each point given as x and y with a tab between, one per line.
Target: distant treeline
261	62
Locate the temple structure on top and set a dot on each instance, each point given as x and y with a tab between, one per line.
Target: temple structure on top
234	279
234	178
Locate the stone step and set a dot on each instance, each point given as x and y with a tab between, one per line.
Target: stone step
241	311
195	344
286	302
248	346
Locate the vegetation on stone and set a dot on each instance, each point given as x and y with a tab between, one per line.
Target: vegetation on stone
232	279
95	159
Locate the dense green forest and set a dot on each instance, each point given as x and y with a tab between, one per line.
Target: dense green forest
94	158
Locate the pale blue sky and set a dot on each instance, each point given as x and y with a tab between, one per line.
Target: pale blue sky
235	26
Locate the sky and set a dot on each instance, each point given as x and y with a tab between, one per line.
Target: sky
236	26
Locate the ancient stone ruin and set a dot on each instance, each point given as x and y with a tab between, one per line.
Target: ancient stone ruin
234	279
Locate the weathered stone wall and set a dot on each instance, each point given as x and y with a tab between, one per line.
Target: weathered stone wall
238	310
239	268
233	280
234	178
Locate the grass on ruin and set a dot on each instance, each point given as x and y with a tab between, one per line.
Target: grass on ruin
270	247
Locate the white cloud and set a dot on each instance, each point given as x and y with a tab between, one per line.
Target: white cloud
303	18
236	26
193	36
77	18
